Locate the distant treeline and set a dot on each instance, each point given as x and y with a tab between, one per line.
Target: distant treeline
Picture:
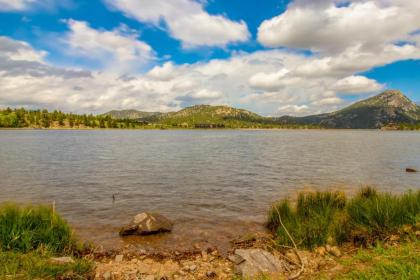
21	118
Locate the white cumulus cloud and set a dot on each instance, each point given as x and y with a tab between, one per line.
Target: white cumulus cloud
186	20
116	50
330	26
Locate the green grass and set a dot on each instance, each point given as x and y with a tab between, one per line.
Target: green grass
322	216
29	237
35	265
28	228
311	221
378	214
397	262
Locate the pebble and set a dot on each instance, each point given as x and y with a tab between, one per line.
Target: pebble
107	275
292	256
211	274
320	251
204	255
119	258
192	268
334	251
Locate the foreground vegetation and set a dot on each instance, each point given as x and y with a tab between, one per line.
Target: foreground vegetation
382	262
29	237
328	217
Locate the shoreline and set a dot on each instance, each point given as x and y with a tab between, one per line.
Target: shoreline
201	129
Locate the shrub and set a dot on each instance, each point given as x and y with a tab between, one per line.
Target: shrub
319	216
380	214
311	223
33	227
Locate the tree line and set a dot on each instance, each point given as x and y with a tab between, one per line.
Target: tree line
21	118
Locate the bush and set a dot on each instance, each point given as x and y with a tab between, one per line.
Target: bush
311	223
380	214
23	229
320	216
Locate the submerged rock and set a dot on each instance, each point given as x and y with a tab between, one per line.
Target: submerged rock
256	262
147	223
408	169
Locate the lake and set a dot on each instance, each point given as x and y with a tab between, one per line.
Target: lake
215	184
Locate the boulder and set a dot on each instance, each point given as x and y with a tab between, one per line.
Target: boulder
408	169
257	262
147	223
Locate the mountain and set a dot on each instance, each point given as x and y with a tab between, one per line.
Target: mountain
386	109
206	116
129	114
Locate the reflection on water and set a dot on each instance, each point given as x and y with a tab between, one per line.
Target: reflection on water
206	181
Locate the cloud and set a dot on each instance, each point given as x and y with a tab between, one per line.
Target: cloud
356	85
327	26
203	96
117	50
293	109
22	5
270	82
186	20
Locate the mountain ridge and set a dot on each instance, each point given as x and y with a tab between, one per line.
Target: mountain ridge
391	107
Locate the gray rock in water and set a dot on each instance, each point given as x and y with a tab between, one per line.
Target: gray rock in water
147	223
257	262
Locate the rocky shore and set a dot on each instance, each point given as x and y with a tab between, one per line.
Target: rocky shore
249	258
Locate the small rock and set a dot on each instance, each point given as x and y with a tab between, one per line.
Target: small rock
119	258
204	255
107	275
292	256
408	169
236	259
394	237
407	229
62	260
333	250
193	268
215	253
320	251
211	274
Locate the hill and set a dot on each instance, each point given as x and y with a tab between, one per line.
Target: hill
207	116
390	108
129	114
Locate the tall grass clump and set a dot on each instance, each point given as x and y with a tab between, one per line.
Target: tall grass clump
379	214
321	216
311	222
23	229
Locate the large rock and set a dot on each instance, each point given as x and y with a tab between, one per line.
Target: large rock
256	262
147	223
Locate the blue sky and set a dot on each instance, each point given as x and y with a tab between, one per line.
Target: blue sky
273	57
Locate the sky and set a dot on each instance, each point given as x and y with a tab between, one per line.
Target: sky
273	57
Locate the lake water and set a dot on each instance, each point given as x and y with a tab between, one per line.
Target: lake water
214	184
